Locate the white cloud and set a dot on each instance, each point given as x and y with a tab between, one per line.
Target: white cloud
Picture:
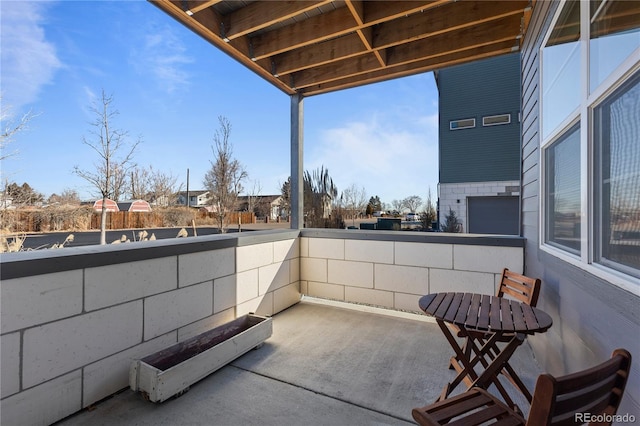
163	54
392	157
29	61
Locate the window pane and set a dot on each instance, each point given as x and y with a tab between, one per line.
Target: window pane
615	34
617	136
562	166
561	69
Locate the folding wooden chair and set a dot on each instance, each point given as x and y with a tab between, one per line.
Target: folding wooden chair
590	396
515	286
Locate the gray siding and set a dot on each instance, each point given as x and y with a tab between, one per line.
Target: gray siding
591	316
482	88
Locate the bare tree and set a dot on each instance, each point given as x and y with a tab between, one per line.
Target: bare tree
253	196
354	200
412	203
9	128
398	205
224	179
164	188
67	197
285	201
429	215
154	186
115	156
140	183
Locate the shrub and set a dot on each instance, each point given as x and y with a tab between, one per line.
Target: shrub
177	216
451	222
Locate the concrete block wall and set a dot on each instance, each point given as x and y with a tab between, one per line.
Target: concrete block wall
394	269
454	196
72	323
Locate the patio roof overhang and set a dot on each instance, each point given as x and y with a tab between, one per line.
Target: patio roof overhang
318	46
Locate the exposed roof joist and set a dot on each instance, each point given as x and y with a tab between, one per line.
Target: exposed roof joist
313	47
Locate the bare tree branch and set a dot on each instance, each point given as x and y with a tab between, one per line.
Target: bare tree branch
115	156
224	179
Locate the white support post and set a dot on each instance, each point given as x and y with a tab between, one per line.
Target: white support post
297	178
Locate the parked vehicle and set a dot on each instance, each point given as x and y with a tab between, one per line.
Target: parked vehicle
412	217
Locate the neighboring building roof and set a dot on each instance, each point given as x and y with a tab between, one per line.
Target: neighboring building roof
112	206
259	198
193	193
134	206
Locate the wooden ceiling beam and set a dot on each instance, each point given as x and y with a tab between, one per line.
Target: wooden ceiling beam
405	70
319	54
450	17
263	14
336	70
194	7
365	33
414	27
464	39
313	48
315	29
377	12
334	24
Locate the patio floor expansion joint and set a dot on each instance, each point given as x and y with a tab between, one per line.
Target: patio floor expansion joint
322	394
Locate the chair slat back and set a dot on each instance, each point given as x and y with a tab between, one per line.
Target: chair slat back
519	287
569	399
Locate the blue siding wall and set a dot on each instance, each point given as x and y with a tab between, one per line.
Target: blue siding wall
591	317
475	90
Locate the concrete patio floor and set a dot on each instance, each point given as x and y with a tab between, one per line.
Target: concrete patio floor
326	364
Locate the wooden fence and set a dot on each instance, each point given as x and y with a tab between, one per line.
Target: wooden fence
42	220
131	220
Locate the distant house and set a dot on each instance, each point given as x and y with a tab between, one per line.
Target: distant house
263	205
6	201
134	206
112	206
196	198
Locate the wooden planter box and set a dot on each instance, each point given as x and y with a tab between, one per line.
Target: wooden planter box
171	371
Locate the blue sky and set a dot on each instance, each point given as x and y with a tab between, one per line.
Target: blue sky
169	87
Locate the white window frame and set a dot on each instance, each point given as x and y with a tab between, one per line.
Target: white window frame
462	128
502	123
583	114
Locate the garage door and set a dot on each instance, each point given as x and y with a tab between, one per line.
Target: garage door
494	215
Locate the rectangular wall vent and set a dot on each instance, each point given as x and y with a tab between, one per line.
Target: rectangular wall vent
467	123
495	120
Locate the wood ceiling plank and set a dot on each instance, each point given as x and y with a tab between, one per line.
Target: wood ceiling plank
451	42
329	25
476	36
405	70
358	43
262	14
210	19
196	6
318	54
450	17
382	11
357	10
315	29
366	35
336	70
